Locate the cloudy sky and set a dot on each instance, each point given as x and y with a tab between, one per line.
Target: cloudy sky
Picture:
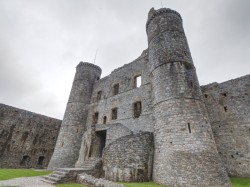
42	41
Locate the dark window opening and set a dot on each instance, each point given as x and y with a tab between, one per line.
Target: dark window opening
206	96
137	81
40	160
62	144
115	89
224	94
77	130
95	118
191	83
114	113
225	108
137	109
104	119
99	95
171	143
232	156
25	160
181	63
97	78
189	128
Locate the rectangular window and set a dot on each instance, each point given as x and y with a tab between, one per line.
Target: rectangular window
104	119
115	89
114	113
95	118
137	81
99	95
137	109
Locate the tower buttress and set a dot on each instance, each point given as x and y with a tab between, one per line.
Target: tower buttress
185	151
74	121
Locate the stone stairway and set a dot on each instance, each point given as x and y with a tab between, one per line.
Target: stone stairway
92	166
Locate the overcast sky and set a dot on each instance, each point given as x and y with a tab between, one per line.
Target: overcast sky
42	41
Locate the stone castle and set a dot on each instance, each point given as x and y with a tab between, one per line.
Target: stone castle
148	120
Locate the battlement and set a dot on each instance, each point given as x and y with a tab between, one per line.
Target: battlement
154	13
89	65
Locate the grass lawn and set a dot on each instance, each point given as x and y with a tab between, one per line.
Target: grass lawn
6	174
15	173
69	185
240	182
143	184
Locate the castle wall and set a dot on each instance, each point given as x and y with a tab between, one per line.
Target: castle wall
24	137
127	96
129	158
229	113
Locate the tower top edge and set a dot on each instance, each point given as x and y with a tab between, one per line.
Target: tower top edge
89	65
154	13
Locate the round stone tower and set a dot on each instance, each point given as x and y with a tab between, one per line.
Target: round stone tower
75	117
185	151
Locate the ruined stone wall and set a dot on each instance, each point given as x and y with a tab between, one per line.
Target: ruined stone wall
128	94
27	139
129	158
228	106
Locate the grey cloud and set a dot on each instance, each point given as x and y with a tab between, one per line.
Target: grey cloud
41	42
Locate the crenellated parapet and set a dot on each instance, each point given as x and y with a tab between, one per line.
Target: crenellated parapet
154	13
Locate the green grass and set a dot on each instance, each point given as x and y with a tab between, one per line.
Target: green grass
143	184
6	174
240	182
70	185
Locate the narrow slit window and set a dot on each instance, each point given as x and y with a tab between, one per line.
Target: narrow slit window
191	83
137	81
114	113
115	89
99	95
225	108
189	128
95	118
104	119
137	109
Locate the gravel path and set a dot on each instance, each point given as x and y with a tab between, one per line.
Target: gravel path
26	182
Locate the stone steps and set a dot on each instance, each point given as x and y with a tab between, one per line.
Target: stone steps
91	166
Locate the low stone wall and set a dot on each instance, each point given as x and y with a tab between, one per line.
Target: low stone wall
129	158
89	180
27	139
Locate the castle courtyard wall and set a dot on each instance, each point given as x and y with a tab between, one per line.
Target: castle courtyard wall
27	139
228	106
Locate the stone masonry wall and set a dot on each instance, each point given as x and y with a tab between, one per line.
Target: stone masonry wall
27	139
127	96
129	158
74	125
228	106
185	152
